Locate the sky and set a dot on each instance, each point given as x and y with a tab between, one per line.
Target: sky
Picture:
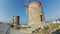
10	8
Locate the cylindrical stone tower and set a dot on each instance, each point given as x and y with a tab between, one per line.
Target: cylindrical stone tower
15	20
35	13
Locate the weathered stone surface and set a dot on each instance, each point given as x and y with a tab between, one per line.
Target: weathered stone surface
35	13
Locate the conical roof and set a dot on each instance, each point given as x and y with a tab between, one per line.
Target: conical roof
31	3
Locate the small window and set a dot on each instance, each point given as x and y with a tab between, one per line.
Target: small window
41	17
38	5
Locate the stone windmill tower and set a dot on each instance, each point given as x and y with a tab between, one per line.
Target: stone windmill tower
16	20
35	13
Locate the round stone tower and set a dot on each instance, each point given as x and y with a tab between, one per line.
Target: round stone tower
35	13
15	20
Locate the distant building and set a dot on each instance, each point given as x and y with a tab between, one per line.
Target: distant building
16	20
56	21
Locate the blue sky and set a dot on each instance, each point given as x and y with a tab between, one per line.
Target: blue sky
10	8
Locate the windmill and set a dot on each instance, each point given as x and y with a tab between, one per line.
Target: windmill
26	7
